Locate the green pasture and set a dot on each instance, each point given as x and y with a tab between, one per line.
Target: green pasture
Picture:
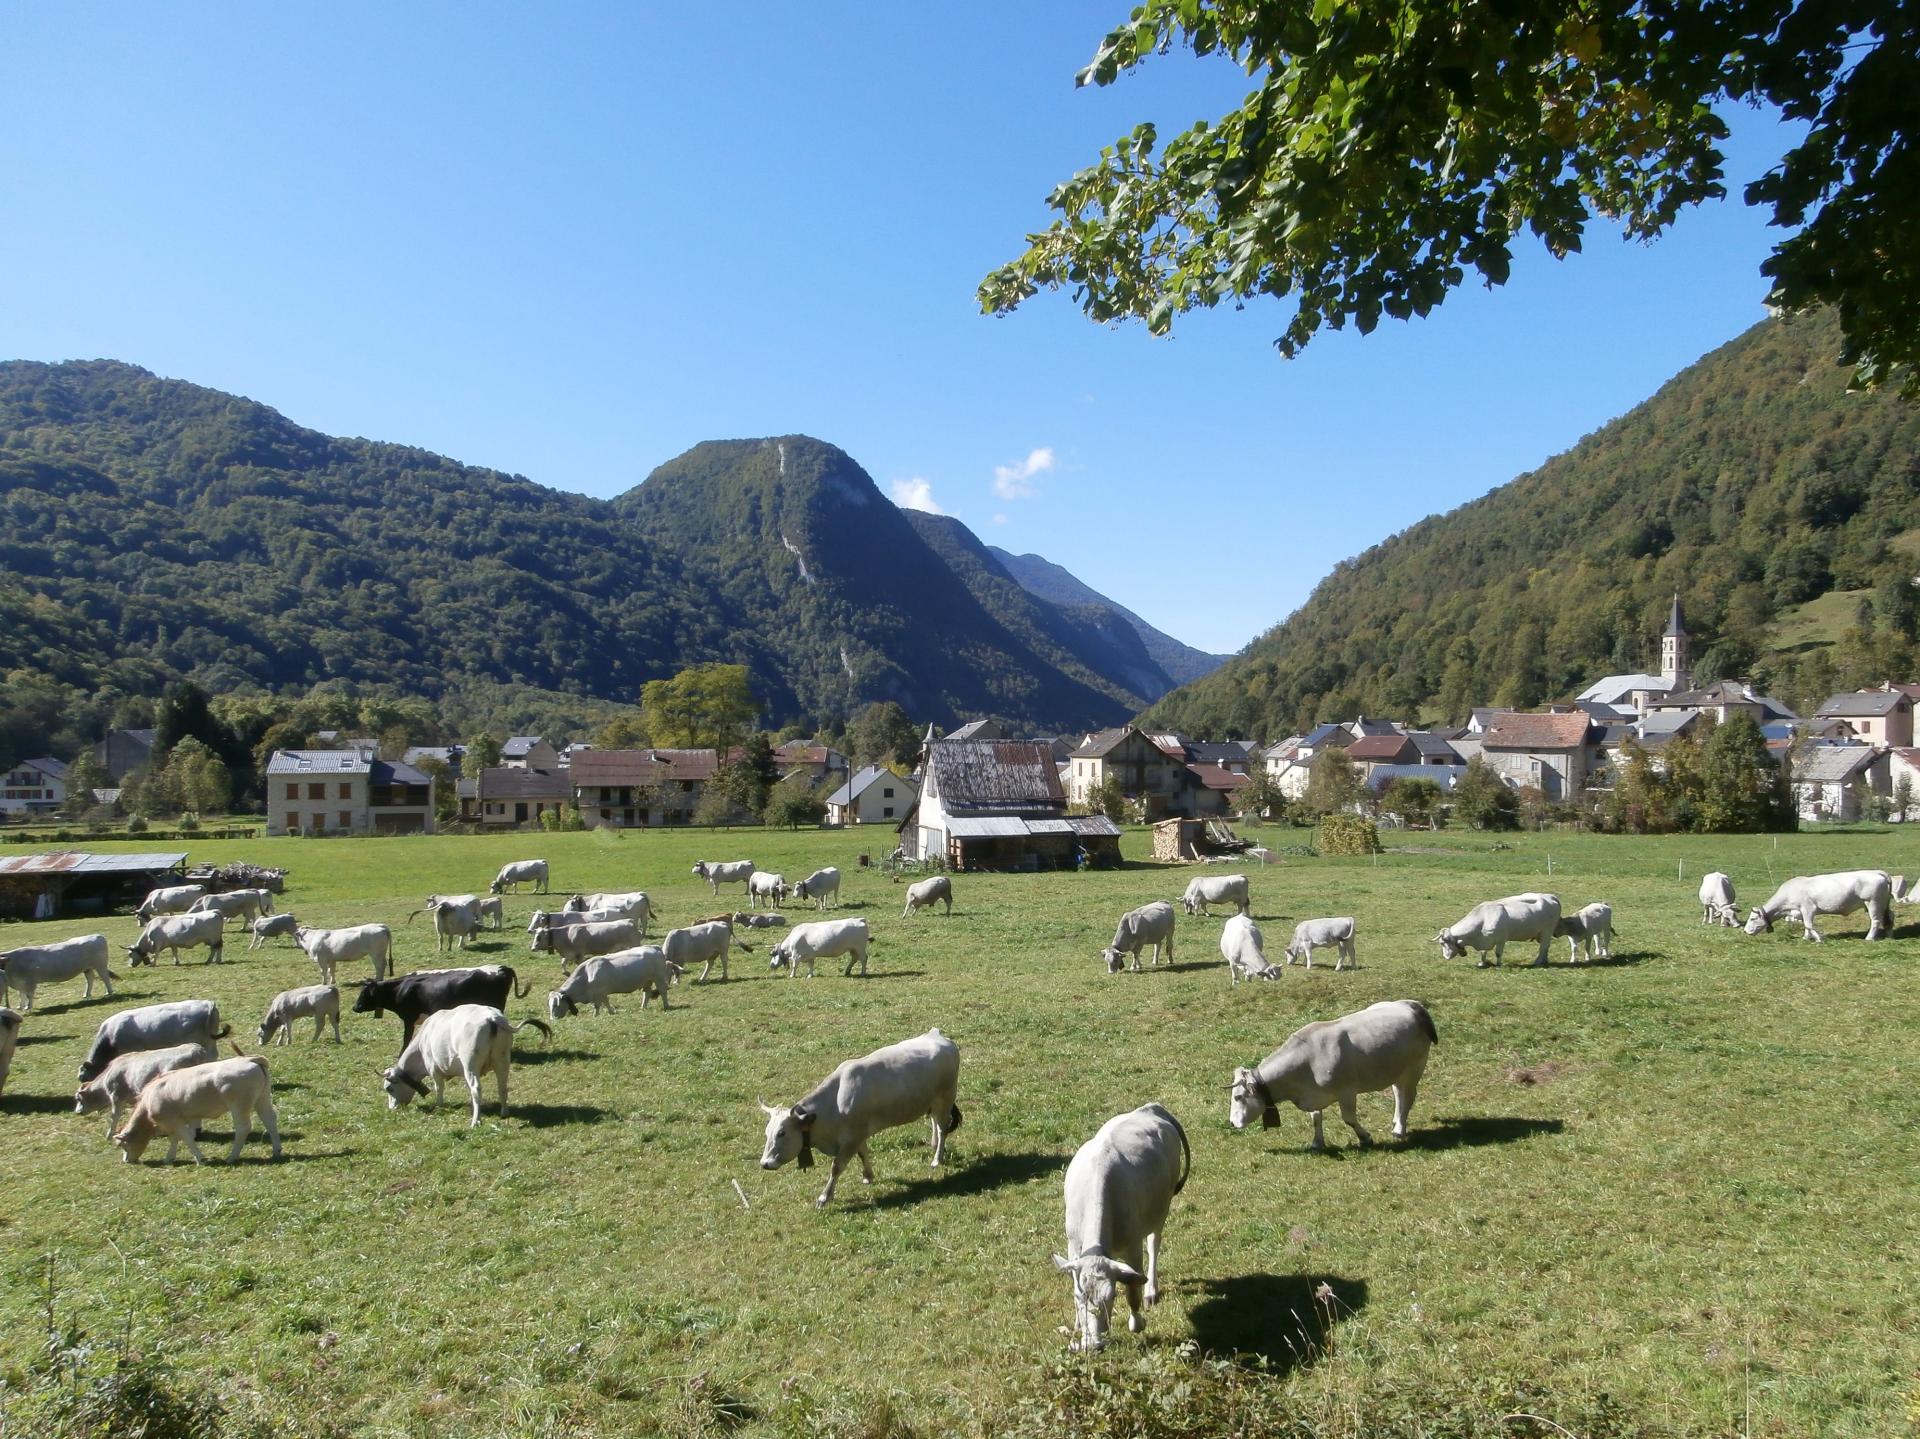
1674	1194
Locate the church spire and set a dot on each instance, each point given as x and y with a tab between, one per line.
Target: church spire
1676	626
1673	651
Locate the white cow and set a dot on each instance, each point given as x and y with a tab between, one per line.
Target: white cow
330	948
318	1002
232	904
820	886
631	904
176	1103
9	1037
717	873
470	1040
491	909
892	1086
575	942
1805	896
1588	932
1312	934
32	965
1244	950
119	1085
152	1026
176	932
519	872
1120	1187
765	885
927	893
822	939
1206	889
643	971
702	944
1500	922
1716	901
272	926
1151	924
1330	1061
172	899
456	920
560	918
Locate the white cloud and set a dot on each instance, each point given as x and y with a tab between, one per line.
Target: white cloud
1014	482
916	494
999	519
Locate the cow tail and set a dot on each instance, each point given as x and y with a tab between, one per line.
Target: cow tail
112	975
1426	1021
415	915
953	1119
520	991
546	1030
1186	1155
223	1031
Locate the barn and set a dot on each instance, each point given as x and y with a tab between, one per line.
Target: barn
998	805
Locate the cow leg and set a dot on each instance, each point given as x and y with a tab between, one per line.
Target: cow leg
1403	1096
271	1119
939	1138
1347	955
1546	944
833	1178
501	1075
336	1026
1573	949
866	1164
1350	1113
1152	1295
192	1137
473	1096
242	1126
1319	1130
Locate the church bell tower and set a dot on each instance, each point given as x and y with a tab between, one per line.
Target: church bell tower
1673	651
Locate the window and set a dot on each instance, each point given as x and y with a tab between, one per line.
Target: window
346	819
887	813
293	791
319	823
346	790
316	791
886	792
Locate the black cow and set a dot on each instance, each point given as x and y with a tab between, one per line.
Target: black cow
414	996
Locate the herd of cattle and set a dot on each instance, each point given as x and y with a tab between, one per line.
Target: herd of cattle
157	1072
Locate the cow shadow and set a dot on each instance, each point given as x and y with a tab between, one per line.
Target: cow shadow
68	1006
982	1176
24	1040
36	1104
552	1056
1474	1131
546	1116
890	974
1619	959
1282	1322
1186	966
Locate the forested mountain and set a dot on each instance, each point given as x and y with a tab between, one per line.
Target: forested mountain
1751	483
155	529
1180	663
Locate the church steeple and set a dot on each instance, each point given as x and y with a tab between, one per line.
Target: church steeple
1673	650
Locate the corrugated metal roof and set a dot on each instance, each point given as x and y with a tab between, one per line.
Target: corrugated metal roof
77	862
988	827
320	761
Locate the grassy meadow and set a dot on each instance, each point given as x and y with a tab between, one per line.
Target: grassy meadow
1673	1194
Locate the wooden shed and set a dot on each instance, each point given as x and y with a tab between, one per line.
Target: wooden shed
44	886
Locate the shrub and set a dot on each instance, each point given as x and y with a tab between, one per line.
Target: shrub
1348	834
136	824
189	822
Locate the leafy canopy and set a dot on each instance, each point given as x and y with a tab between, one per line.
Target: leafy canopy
1390	148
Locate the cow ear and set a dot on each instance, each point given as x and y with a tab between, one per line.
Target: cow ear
1124	1273
1062	1263
802	1116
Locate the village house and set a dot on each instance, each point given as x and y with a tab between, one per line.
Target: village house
998	804
1211	789
1639	692
448	755
639	788
346	791
123	751
529	751
1833	781
34	786
979	729
1882	717
1553	753
817	763
1142	767
1903	783
875	795
1373	751
507	796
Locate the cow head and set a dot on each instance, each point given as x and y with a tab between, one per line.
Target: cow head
1096	1279
374	996
140	951
1759	922
1248	1098
133	1140
400	1086
1115	960
789	1137
559	1005
90	1099
1450	948
574	905
497	885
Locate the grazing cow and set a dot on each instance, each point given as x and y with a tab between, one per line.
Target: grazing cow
489	908
272	926
1151	924
318	1002
519	872
153	1026
1383	1046
702	944
1244	950
762	885
1805	896
1119	1188
412	997
823	939
1500	922
119	1085
1716	901
9	1036
575	942
927	893
892	1086
456	920
330	948
33	965
631	904
1311	934
175	1104
820	886
470	1040
173	899
1588	932
761	919
176	932
241	904
1206	889
717	873
644	971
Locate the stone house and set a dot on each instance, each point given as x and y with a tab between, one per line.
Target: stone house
346	791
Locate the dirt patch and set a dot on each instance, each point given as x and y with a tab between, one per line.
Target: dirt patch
1544	1072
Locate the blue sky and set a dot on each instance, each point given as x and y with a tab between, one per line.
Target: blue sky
571	244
